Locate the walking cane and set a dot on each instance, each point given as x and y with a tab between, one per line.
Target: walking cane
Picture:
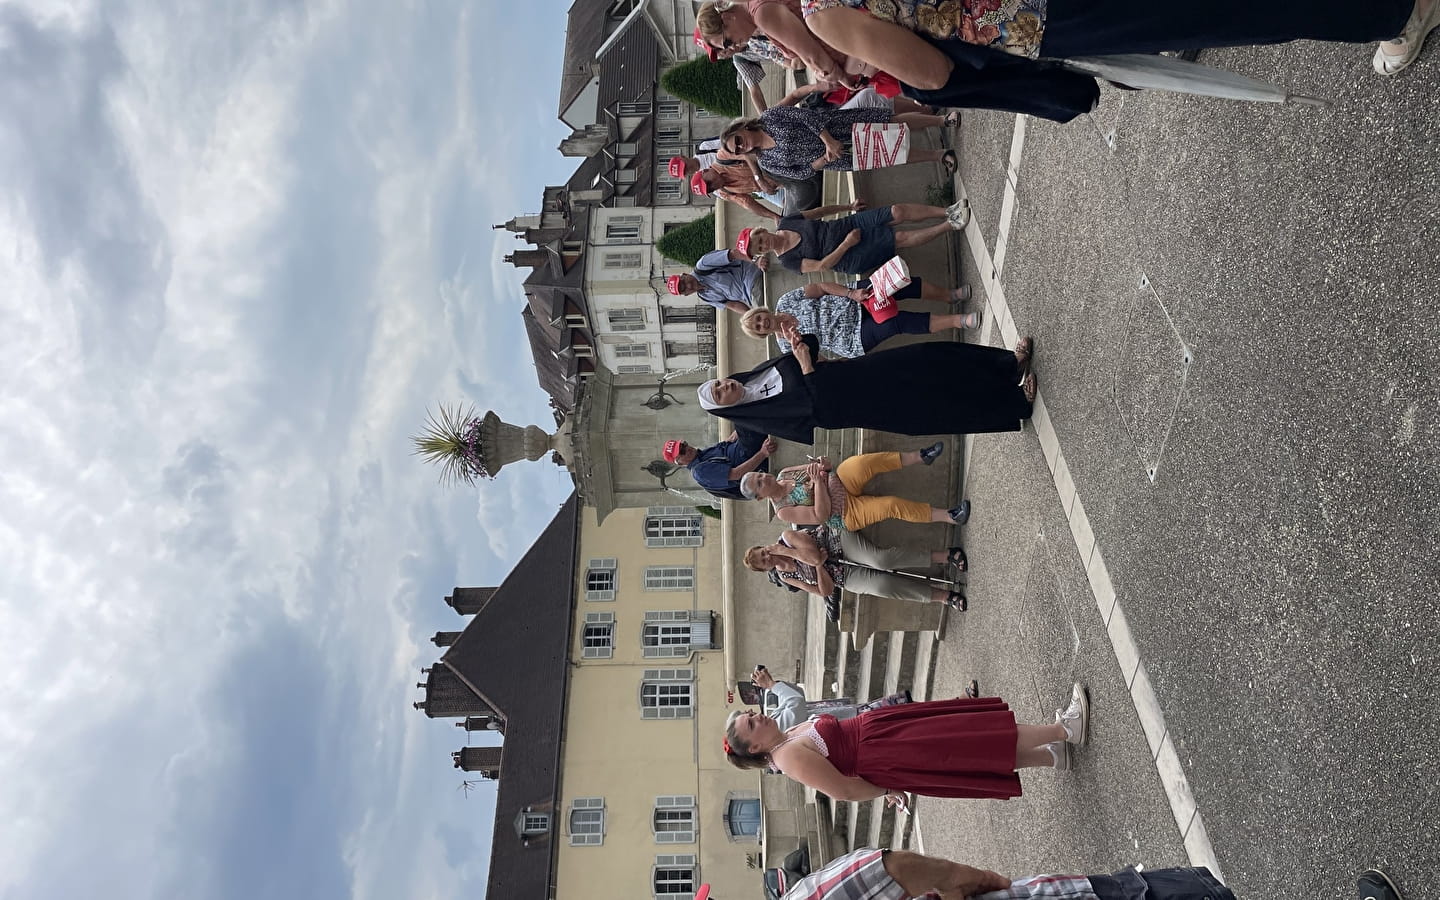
937	582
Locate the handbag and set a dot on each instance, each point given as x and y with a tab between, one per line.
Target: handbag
885	283
878	145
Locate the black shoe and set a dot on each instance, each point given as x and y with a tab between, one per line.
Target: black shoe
832	607
957	558
960	514
956	601
1376	885
928	455
972	690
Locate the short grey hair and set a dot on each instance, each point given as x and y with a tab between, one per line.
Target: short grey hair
747	486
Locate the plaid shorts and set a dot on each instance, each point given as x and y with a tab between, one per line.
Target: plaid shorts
858	875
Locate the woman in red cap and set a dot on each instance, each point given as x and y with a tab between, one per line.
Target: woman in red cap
857	244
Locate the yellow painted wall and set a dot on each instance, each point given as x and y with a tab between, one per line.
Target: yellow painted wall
614	753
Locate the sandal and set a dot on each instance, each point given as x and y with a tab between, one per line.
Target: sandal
969	320
957	558
956	601
1024	352
1411	41
960	295
950	161
952	119
972	690
1028	386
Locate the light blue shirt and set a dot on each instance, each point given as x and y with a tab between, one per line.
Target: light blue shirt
728	281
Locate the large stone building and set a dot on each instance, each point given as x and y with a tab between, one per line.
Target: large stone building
597	658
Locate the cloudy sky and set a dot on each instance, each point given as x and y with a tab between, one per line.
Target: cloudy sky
243	246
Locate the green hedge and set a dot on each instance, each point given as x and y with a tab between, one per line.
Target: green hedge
706	85
690	242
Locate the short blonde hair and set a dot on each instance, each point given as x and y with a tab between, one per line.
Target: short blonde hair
747	320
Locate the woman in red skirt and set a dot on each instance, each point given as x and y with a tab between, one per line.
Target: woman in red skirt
946	748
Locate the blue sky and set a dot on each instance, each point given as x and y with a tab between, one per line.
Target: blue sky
245	245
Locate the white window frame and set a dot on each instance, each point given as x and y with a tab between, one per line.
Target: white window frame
659	684
634	109
593	825
670	110
669	578
675	861
669	189
599	567
626	148
670	531
625	176
624	260
630	318
631	351
534	823
634	370
677	816
604	625
624	229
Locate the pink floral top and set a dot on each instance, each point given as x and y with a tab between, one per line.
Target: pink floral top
1014	26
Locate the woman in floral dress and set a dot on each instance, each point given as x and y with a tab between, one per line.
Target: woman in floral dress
947	52
845	328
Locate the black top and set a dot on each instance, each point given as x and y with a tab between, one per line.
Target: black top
818	238
790	415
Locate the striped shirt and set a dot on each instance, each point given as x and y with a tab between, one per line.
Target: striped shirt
861	875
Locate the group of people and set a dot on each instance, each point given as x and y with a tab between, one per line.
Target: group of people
1011	56
938	53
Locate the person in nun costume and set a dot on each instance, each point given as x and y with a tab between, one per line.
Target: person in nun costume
934	387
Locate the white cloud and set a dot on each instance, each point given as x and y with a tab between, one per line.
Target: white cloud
198	502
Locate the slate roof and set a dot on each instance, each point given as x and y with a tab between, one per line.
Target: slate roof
514	655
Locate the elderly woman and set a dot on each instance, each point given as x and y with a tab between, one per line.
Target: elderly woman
814	561
857	243
947	52
794	141
836	315
840	500
730	24
946	748
933	387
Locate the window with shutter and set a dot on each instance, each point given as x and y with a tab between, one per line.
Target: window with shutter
587	821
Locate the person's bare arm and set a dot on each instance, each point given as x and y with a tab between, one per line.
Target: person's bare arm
821	212
805	586
817	289
745	201
832	258
788	30
800	515
757	97
804	548
749	465
813	770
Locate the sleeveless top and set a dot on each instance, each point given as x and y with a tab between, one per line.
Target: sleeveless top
800	495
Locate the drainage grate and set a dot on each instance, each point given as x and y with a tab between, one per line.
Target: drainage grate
1150	375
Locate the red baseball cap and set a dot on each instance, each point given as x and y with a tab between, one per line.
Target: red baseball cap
742	242
705	45
672	284
698	185
671	450
677	166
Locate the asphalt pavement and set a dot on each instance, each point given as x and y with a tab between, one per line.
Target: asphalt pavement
1234	312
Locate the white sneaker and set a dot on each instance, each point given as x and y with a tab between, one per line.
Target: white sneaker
958	214
1060	753
1076	717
